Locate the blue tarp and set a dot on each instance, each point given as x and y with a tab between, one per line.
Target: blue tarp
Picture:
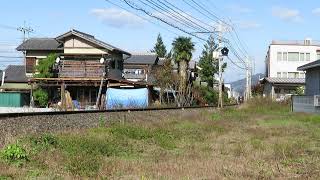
126	98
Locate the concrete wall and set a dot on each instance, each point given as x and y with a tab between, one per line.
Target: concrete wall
288	66
12	127
312	82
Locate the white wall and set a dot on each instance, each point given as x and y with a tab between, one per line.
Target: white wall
76	45
289	66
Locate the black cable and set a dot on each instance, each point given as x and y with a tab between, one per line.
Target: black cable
175	18
134	6
146	19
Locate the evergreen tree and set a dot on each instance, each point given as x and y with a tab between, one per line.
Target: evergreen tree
160	48
209	66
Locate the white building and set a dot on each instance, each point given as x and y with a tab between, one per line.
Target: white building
282	60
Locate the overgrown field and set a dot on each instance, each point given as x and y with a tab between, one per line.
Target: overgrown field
260	140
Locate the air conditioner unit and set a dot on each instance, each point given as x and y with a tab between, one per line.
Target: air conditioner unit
316	101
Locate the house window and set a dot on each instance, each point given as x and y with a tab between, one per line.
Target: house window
293	75
293	56
302	75
285	75
285	56
302	57
278	74
318	55
30	64
290	75
307	56
279	56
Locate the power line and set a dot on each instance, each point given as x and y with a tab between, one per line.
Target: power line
177	9
177	18
146	19
134	6
11	57
7	27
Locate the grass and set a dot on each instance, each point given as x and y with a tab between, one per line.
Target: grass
259	140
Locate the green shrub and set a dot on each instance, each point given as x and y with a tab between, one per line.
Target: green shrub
41	97
14	153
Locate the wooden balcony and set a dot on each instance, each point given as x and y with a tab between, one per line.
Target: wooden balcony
81	69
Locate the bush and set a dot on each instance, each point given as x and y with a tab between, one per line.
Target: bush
41	97
14	153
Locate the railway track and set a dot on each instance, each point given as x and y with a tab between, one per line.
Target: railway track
3	115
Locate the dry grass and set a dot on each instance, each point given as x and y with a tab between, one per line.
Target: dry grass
261	140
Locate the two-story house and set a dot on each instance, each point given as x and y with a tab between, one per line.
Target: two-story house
85	66
282	60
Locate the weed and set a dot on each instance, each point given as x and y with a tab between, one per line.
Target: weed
44	141
257	144
102	121
14	153
83	165
138	133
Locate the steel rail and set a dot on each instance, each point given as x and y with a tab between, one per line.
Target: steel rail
8	115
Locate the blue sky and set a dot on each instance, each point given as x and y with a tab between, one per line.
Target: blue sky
258	23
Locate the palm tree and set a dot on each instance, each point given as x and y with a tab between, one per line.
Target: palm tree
182	48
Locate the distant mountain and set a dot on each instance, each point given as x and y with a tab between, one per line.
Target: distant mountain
240	85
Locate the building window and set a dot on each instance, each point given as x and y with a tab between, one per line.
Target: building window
293	75
302	75
285	75
318	55
30	64
278	74
285	56
307	56
293	56
302	57
279	56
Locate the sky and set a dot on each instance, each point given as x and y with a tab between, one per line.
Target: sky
256	22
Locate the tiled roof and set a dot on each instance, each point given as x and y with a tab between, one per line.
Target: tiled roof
55	43
92	39
15	74
283	80
149	59
309	65
40	44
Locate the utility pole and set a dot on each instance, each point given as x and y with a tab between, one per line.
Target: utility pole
220	58
25	30
248	79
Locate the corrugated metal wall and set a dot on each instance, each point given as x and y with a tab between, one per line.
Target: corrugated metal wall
304	104
13	99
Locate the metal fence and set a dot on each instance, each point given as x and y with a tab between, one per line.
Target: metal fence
304	104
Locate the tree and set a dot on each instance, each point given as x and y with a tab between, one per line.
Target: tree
164	77
209	66
44	68
182	48
160	48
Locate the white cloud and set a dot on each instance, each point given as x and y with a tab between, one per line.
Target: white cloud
117	18
248	25
236	8
286	14
316	11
